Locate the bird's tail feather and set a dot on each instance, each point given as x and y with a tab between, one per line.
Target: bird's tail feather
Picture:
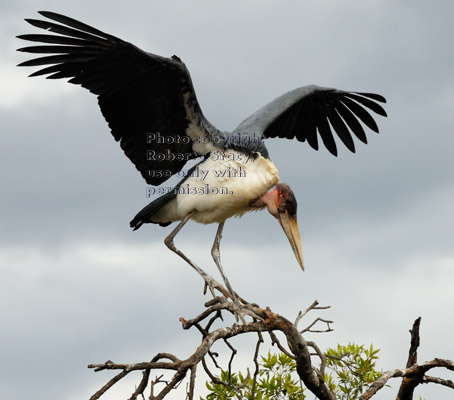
145	215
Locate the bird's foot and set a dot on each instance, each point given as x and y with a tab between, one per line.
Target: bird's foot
238	306
213	285
241	310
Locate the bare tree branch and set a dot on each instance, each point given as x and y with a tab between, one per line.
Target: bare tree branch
321	356
192	383
414	343
256	363
142	385
415	370
109	384
275	340
313	306
414	374
267	322
444	382
263	320
309	328
409	384
380	383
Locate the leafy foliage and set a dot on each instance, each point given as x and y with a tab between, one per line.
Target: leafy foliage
351	369
276	382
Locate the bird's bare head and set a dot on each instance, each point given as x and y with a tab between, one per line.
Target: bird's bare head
281	203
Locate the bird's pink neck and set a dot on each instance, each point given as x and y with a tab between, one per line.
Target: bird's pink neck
269	200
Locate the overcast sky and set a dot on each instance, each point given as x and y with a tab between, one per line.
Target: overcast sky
77	286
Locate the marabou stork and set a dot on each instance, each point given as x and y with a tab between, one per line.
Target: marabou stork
151	107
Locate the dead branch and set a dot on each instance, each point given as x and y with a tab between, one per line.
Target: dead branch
262	320
409	384
444	382
414	374
256	363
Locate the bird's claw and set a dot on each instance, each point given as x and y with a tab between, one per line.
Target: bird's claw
242	309
213	285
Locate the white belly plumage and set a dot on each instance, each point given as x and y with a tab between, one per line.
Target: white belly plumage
222	187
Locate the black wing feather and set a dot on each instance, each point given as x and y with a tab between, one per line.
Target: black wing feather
307	121
52	39
76	24
374	96
325	133
139	93
63	30
352	122
305	111
361	113
340	127
375	107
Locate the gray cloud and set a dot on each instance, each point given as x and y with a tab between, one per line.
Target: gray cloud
77	286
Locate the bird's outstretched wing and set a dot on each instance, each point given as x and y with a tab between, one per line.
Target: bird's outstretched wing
303	112
148	100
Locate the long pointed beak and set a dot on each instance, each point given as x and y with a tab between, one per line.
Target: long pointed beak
290	226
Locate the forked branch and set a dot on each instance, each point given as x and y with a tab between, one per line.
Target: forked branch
312	373
262	320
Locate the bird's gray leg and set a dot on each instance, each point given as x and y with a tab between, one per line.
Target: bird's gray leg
240	309
216	254
212	284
